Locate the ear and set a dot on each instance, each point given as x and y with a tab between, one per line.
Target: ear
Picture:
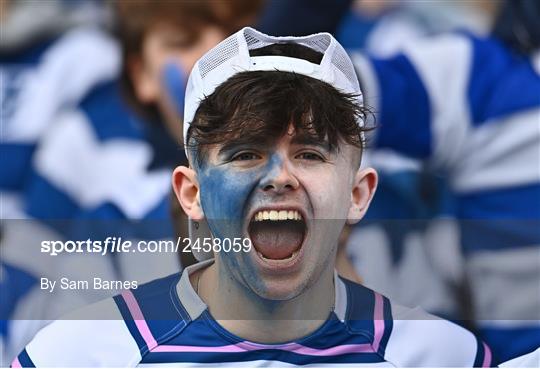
364	186
186	188
145	88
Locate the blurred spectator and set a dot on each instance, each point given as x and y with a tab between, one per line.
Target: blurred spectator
35	60
160	43
467	116
36	57
393	250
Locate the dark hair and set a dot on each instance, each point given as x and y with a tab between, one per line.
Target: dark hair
260	105
134	18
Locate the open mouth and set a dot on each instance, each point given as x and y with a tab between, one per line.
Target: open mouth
277	234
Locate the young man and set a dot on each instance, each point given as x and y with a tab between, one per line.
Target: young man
274	132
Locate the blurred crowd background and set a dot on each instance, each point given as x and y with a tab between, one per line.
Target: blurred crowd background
91	126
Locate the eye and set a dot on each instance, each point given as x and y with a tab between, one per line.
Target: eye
310	156
245	156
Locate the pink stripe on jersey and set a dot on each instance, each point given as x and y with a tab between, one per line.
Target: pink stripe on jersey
174	348
16	363
138	317
291	347
378	321
304	350
487	356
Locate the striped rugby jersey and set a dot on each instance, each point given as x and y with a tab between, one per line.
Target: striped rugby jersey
364	329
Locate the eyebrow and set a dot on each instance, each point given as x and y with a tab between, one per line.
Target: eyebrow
310	140
248	142
240	143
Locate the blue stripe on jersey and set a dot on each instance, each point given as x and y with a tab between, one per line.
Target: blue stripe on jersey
164	317
29	56
388	326
200	332
360	309
25	360
363	305
500	219
360	304
109	115
508	343
16	159
14	285
404	103
520	202
158	301
130	324
271	355
332	333
501	82
44	201
478	235
3	328
398	197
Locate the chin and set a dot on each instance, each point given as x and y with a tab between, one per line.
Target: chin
283	288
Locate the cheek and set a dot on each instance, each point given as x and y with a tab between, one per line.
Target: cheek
225	192
329	193
224	195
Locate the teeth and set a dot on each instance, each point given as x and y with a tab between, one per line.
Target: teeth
291	256
277	215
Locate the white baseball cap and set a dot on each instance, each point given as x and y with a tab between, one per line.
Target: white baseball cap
231	56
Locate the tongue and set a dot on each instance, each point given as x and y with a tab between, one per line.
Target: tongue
277	239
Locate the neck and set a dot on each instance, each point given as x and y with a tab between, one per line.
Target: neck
245	314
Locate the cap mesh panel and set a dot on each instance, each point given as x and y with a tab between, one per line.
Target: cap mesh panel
225	51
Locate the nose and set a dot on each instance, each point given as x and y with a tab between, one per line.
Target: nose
280	177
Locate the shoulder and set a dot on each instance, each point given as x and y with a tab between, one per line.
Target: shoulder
530	360
95	335
422	339
116	332
411	337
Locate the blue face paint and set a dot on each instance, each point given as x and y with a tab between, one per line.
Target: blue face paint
226	195
226	191
175	80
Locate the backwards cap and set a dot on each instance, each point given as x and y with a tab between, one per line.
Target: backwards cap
231	56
